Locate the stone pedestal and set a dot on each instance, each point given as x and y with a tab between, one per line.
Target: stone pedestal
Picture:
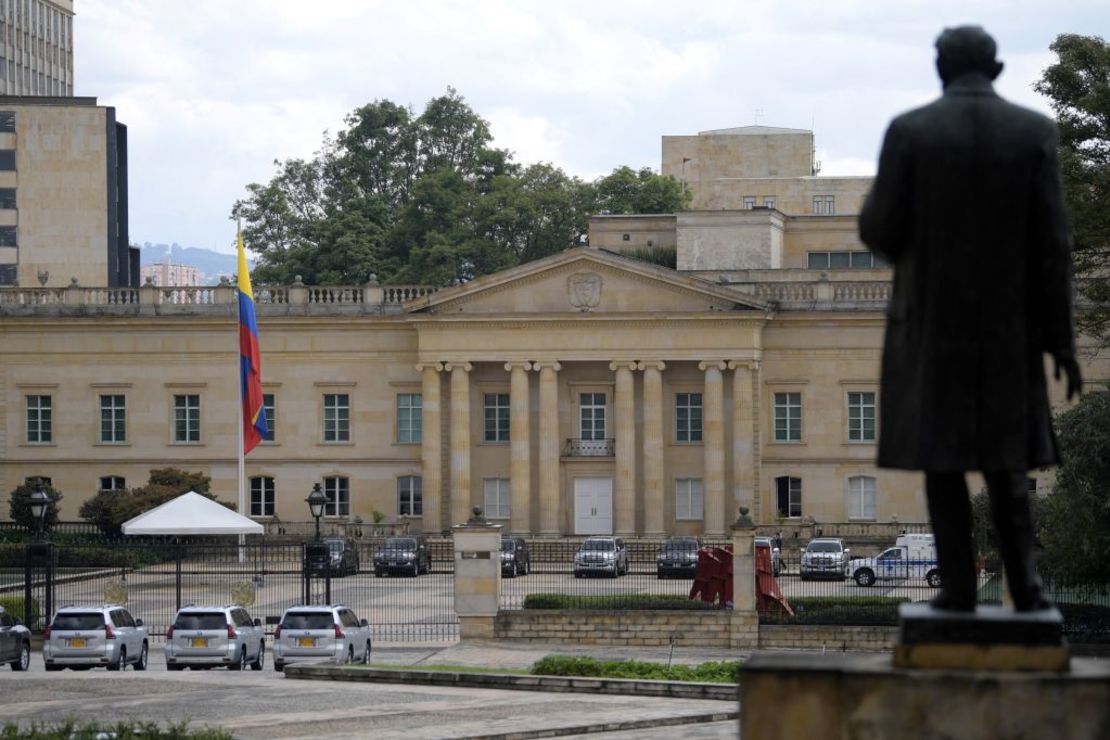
990	638
787	696
477	576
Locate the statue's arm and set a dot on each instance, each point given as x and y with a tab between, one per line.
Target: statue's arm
884	219
1052	267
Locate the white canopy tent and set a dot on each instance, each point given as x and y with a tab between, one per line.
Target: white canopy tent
191	513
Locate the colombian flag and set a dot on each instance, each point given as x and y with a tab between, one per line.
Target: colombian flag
250	365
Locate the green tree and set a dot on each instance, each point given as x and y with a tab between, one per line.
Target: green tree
19	507
1078	87
628	191
1076	531
108	510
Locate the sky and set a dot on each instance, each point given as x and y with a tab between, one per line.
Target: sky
214	91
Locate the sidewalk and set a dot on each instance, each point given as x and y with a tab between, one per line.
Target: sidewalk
510	654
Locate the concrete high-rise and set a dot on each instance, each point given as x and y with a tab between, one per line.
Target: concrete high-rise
36	47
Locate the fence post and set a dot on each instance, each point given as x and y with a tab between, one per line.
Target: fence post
49	596
177	577
27	594
477	575
744	626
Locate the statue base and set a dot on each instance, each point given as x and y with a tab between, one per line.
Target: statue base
990	638
846	696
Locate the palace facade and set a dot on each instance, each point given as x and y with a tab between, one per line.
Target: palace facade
587	392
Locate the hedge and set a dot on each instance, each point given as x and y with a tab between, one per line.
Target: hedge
725	671
130	730
863	610
647	602
85	556
14	605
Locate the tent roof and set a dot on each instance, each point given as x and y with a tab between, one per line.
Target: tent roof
191	513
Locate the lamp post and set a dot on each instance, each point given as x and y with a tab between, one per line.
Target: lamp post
40	503
316	501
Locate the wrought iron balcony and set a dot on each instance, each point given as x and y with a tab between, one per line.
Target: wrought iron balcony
589	448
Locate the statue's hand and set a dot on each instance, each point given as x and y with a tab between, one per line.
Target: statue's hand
1071	370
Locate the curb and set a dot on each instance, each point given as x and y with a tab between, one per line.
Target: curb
563	684
632	724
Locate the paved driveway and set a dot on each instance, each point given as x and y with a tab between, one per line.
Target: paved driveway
267	705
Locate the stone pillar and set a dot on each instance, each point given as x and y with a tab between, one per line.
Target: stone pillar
744	619
477	576
431	447
520	465
654	473
713	434
743	438
460	440
549	447
624	494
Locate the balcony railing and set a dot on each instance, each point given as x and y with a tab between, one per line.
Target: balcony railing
589	448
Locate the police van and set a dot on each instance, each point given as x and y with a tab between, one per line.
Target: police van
914	556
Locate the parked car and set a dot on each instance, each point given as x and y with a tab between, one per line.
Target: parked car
15	642
332	633
516	558
776	554
334	556
601	555
403	554
913	556
824	557
88	636
678	557
207	636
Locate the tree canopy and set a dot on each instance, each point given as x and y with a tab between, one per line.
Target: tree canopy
108	510
426	199
19	506
1078	86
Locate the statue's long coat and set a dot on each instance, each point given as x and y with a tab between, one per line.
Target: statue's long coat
968	207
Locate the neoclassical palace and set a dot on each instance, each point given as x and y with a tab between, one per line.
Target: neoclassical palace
588	392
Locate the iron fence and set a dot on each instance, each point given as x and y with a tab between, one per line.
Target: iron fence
154	580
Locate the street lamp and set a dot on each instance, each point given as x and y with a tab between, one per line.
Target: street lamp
40	502
316	501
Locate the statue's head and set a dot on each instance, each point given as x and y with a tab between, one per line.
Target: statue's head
966	50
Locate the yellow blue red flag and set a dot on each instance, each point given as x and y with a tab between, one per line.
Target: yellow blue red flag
250	363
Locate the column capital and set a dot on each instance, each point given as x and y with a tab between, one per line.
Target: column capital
752	365
712	365
523	364
422	366
452	366
652	364
623	365
538	365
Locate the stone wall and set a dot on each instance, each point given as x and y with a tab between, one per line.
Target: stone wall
826	637
591	627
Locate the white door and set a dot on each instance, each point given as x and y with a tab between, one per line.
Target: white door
593	506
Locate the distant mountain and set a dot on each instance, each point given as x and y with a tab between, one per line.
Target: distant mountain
210	262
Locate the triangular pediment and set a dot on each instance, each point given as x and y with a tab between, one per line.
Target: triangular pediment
584	280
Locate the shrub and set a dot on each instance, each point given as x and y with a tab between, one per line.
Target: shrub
566	665
14	605
610	602
877	610
71	729
19	507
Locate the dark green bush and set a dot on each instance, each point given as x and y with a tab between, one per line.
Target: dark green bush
1086	623
615	601
875	610
565	665
14	605
132	730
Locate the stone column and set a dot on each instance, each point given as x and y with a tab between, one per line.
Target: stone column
744	619
460	440
624	406
654	474
477	576
713	436
520	465
431	448
743	438
549	447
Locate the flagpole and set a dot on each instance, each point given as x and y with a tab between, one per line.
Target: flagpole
242	497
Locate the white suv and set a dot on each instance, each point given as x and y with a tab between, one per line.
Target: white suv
321	633
824	557
82	637
205	636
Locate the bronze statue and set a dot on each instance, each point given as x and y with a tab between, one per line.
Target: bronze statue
968	207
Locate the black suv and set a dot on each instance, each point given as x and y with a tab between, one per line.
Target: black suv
334	557
407	554
678	557
516	558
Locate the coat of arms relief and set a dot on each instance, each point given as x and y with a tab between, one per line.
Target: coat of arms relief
584	290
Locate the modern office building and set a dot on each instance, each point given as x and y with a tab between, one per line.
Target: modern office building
63	194
587	392
36	47
170	273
